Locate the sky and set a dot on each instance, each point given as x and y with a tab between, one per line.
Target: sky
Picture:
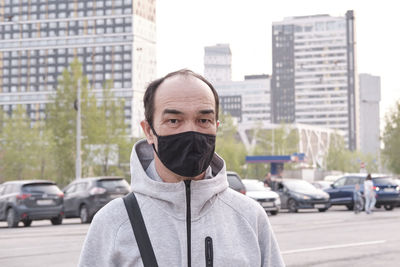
185	27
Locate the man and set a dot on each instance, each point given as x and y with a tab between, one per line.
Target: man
192	217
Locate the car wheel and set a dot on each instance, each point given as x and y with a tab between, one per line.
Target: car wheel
27	222
322	210
12	220
84	214
388	207
292	205
56	220
349	207
274	212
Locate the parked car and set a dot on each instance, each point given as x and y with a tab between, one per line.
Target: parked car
386	188
29	200
267	198
235	182
298	194
84	197
322	184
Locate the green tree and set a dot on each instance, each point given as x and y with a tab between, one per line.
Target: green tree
104	134
107	134
229	146
339	158
391	140
61	120
18	147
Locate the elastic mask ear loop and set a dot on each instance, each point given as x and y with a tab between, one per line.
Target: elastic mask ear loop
154	148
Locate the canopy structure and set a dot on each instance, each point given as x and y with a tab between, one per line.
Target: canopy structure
276	161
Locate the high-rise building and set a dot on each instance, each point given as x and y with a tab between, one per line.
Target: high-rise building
113	39
248	101
370	96
314	77
217	63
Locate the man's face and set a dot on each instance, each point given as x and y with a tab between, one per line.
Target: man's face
181	104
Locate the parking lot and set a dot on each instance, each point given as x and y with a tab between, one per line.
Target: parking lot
309	238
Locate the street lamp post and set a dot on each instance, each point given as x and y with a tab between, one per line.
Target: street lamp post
78	167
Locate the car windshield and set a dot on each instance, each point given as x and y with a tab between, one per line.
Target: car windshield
113	183
41	188
299	186
384	181
254	186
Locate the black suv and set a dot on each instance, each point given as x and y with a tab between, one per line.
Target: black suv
29	200
386	188
84	197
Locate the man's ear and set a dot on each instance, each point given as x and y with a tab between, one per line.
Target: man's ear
147	131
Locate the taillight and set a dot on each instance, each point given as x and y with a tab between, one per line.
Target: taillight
97	191
243	191
23	196
376	188
60	195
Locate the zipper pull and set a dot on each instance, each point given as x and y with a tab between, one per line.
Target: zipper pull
209	252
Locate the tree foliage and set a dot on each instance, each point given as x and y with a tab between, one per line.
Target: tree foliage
107	135
104	134
391	140
229	146
23	148
61	120
339	158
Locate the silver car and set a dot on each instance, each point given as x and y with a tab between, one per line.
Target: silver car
268	199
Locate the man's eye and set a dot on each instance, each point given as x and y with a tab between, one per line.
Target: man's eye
204	120
173	121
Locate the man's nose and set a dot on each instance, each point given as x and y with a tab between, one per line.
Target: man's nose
190	126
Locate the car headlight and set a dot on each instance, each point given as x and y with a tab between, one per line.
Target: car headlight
397	188
301	196
277	201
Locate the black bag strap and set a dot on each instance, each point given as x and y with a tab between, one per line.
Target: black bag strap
140	231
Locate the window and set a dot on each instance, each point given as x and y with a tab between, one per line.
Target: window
340	182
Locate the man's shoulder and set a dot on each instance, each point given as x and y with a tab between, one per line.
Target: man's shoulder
113	213
241	203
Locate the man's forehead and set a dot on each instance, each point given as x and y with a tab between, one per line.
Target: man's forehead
183	87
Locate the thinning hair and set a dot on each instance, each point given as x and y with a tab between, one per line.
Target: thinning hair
148	99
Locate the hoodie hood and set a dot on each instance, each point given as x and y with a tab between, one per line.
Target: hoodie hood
171	197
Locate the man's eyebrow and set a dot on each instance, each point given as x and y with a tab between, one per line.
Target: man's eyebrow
206	111
172	111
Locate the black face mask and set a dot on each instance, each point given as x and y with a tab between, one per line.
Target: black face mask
187	154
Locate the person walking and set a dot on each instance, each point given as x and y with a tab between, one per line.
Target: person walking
369	194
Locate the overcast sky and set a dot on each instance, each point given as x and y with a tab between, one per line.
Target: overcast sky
185	27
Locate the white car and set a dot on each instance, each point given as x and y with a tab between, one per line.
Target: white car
267	198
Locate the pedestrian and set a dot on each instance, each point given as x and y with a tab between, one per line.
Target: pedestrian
190	216
357	199
267	180
369	194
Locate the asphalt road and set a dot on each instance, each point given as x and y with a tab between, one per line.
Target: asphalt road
309	238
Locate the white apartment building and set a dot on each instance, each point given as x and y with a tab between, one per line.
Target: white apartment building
217	63
370	96
248	100
314	73
113	39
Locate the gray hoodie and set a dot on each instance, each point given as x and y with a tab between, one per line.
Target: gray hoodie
238	226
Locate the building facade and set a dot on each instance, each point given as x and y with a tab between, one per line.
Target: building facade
314	73
217	63
113	39
248	100
370	96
